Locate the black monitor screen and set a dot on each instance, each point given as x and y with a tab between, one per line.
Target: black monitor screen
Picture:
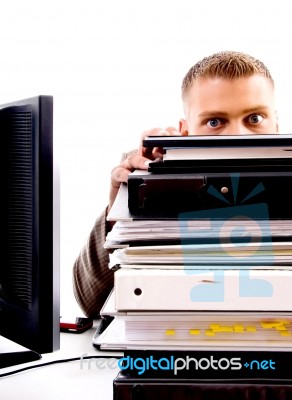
29	208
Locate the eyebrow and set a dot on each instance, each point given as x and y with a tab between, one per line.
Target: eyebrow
223	114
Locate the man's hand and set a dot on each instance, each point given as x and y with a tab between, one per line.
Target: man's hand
138	160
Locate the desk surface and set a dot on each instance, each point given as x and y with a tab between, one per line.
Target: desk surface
72	380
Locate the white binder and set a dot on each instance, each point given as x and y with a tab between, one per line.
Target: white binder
240	290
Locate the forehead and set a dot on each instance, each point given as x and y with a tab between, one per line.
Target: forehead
220	94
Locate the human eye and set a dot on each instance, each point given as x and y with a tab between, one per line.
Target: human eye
255	119
214	123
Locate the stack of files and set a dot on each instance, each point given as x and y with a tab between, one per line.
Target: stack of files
201	232
255	153
208	173
194	330
215	274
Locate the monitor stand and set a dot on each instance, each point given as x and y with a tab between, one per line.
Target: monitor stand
12	353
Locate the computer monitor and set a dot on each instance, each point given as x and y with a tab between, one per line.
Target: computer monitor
29	207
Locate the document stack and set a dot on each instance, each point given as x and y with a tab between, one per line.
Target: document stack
202	254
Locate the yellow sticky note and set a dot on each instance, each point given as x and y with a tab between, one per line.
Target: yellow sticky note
251	329
281	328
285	333
214	326
284	321
170	332
226	328
266	325
194	331
238	328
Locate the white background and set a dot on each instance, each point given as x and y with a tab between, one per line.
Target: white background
115	68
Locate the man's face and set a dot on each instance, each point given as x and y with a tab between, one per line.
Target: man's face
216	106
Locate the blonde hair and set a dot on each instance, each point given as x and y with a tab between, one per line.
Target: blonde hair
226	65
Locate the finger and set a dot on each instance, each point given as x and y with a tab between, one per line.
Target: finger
121	172
147	151
173	131
153	153
158	152
152	132
150	152
135	161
